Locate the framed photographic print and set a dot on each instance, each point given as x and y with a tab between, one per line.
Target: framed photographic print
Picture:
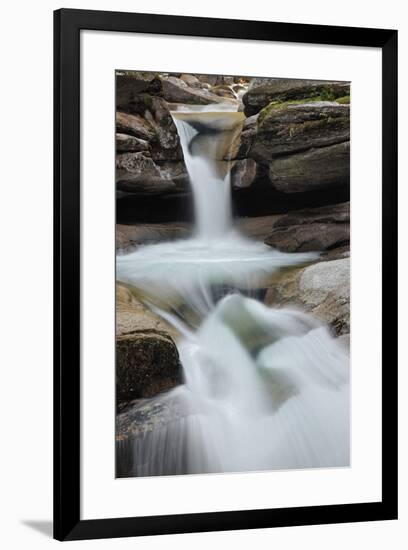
225	274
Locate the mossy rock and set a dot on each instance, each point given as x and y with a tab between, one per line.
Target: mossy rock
285	129
263	91
345	100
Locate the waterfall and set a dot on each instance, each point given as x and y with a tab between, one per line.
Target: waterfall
205	139
264	388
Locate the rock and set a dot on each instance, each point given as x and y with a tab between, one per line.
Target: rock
176	80
258	227
136	423
243	173
130	144
210	79
316	237
132	316
175	171
167	145
225	80
221	80
297	229
325	290
322	289
147	360
337	253
129	236
190	80
128	86
242	142
134	125
316	169
155	112
314	229
223	91
303	147
176	90
138	418
137	173
333	213
297	128
262	91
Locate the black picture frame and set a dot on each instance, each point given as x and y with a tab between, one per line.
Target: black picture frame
67	26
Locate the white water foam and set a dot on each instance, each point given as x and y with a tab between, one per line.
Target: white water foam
263	388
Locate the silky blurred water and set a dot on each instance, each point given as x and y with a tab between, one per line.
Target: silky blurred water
264	388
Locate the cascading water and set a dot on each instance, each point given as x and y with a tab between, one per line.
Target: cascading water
205	138
263	388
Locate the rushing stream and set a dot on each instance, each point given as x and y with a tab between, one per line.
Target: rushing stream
263	388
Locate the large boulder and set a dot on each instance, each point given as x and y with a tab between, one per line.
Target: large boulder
130	84
315	237
312	170
138	173
132	316
175	171
301	147
295	128
155	111
313	229
147	363
190	80
326	228
134	125
297	148
147	360
322	289
175	90
262	91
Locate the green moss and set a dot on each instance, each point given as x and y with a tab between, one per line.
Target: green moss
327	94
276	105
345	100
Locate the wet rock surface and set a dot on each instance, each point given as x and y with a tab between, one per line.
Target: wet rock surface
147	363
322	289
147	360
